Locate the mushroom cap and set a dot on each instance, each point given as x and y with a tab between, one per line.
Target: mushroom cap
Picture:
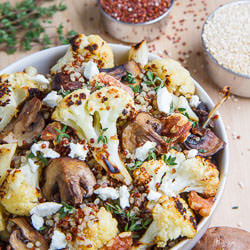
142	129
68	180
25	231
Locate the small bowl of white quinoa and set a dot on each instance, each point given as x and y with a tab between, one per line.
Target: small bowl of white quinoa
226	44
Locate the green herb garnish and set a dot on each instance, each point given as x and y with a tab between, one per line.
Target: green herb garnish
23	26
152	79
181	109
171	107
129	78
103	138
65	209
136	88
137	165
151	155
61	134
40	156
169	160
63	92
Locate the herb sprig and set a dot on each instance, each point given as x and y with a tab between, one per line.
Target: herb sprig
169	160
65	209
103	138
152	79
24	25
40	156
136	165
61	134
129	78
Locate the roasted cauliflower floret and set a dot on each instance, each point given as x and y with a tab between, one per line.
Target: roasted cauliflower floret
16	195
93	117
14	89
172	218
98	231
175	76
139	53
7	152
194	174
72	111
83	49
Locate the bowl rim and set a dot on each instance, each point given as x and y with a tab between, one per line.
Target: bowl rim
205	47
219	125
136	24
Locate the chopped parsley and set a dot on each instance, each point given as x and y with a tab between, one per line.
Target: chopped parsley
169	160
61	134
129	78
65	209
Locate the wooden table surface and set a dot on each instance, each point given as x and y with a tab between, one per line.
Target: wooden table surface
181	40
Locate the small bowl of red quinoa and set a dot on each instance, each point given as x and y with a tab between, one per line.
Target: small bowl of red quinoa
226	45
132	21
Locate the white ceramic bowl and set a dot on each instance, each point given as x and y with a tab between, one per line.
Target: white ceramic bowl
43	60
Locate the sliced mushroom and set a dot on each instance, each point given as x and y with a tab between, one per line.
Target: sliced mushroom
176	127
25	233
28	125
200	205
69	180
144	128
202	112
61	80
205	141
119	72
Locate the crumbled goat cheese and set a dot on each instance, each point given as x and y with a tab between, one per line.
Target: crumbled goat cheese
124	196
52	99
141	153
90	70
153	195
45	209
77	151
37	221
164	100
34	167
41	80
194	101
58	240
43	146
107	193
192	153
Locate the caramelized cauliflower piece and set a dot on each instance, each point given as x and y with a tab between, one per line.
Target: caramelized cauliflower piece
83	49
139	53
16	195
14	90
172	218
7	152
98	231
176	77
194	174
122	241
106	106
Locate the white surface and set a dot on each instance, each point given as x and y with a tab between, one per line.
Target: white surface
40	61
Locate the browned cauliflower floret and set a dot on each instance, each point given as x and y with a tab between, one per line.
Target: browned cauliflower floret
99	230
176	77
172	219
83	49
16	195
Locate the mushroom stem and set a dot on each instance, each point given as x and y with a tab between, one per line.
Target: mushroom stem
226	92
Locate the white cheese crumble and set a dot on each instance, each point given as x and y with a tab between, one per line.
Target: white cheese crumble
46	209
37	221
107	193
90	70
41	80
141	153
194	101
77	150
43	146
164	100
33	166
124	196
153	195
58	240
52	99
192	153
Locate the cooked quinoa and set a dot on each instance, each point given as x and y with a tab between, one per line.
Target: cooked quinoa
227	36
